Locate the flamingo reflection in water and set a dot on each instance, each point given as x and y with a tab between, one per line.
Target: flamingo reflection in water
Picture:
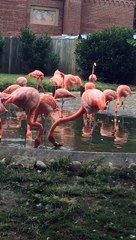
113	129
92	101
120	136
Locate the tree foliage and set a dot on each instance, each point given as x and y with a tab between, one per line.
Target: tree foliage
114	55
36	52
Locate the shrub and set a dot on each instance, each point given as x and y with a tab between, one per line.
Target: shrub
114	56
36	52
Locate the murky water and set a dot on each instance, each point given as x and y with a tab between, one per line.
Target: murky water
105	134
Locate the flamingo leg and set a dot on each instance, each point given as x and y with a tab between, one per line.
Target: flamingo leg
42	86
61	111
31	122
1	129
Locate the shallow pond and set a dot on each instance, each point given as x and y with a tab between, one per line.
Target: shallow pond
105	134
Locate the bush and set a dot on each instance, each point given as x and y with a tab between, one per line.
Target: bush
114	56
36	52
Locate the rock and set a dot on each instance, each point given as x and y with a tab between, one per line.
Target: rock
75	166
39	165
24	161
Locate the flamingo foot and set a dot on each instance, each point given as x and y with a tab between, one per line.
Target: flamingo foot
53	141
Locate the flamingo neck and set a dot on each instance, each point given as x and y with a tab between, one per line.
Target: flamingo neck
74	116
31	122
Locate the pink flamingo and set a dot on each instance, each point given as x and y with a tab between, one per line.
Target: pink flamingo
89	85
110	95
39	76
11	88
92	77
27	98
2	111
57	80
46	106
123	91
72	80
92	101
63	93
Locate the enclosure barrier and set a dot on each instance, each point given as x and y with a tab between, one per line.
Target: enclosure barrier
64	48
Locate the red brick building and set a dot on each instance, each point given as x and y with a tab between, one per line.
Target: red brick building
58	17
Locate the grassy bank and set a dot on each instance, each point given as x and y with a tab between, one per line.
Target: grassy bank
8	79
84	203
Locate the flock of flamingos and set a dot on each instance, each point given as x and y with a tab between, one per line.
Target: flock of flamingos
35	103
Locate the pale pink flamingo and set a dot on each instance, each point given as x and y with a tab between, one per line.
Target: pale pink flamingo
22	81
123	91
39	76
92	101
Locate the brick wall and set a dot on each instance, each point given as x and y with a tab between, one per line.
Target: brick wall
15	14
12	16
72	16
75	16
99	14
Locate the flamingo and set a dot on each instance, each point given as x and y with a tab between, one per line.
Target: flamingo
92	101
63	93
46	106
27	98
89	85
72	80
123	91
65	80
11	88
39	76
110	95
22	81
2	111
57	80
92	77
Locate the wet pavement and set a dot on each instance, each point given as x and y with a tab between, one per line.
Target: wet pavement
128	111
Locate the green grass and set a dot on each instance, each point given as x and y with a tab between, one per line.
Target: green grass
92	204
8	79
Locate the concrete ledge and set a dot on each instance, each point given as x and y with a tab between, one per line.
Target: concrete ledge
117	159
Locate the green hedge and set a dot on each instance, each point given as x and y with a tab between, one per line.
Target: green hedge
114	55
36	52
